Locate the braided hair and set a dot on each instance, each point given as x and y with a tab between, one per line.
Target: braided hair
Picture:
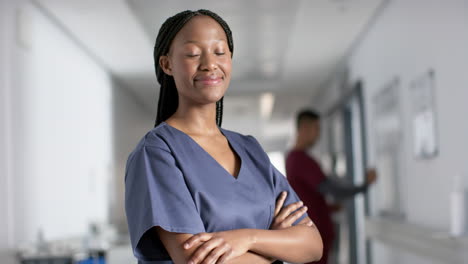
168	96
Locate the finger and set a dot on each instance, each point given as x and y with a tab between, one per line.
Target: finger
200	237
294	216
371	178
286	211
202	251
280	202
226	256
216	253
308	223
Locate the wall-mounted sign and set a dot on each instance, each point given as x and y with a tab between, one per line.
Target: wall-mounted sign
423	117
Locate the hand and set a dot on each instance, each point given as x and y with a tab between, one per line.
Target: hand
371	176
286	216
218	247
335	207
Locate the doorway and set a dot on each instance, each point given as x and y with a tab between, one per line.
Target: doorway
346	144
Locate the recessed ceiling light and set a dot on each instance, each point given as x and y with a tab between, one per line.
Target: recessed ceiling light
267	100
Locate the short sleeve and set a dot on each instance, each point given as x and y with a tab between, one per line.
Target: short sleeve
156	195
282	184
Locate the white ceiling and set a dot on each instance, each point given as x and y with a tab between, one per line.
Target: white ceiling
290	48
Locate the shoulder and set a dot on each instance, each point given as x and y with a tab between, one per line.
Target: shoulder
156	138
300	159
155	142
248	141
299	156
296	154
249	144
241	138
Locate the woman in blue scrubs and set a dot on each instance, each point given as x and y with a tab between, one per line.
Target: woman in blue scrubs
197	193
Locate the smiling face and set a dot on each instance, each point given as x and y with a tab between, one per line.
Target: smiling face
199	59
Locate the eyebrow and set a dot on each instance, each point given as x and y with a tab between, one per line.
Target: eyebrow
195	42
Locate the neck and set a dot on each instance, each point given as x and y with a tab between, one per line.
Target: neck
300	145
195	120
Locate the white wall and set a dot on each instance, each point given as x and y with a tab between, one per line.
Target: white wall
406	40
67	130
56	113
65	119
6	68
131	121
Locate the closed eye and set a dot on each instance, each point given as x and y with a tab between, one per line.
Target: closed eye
219	53
192	55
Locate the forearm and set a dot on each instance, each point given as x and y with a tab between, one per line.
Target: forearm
340	190
349	191
251	257
297	244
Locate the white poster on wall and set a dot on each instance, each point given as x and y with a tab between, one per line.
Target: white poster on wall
423	119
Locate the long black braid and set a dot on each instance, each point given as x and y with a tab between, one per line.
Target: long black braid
168	96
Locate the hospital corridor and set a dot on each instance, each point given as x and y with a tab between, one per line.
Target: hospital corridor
356	108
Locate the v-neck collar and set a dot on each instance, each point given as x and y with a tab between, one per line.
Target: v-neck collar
235	150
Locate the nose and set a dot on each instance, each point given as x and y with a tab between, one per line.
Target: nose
208	62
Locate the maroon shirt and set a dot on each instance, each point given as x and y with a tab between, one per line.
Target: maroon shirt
304	175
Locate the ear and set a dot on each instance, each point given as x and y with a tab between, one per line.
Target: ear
165	64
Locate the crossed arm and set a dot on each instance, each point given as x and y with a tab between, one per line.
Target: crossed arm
299	243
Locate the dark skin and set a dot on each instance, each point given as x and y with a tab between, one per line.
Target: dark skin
200	62
284	217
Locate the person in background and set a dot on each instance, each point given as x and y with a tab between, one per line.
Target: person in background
310	183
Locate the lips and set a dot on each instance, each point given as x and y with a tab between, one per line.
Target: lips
209	79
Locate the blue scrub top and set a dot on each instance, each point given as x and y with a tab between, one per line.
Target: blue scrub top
172	182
